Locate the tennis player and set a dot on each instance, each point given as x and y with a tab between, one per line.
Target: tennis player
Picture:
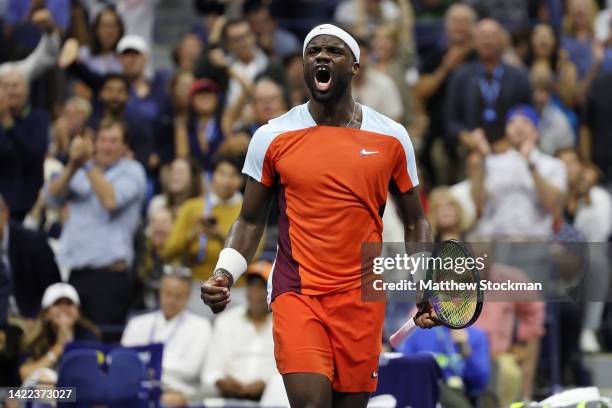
333	161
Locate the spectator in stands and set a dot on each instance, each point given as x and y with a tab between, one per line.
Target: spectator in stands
481	93
514	324
70	124
517	190
272	39
27	267
147	96
203	222
105	191
555	129
362	16
432	88
184	335
544	53
24	133
463	356
246	58
204	130
44	55
183	182
595	140
583	49
513	16
241	368
113	99
376	89
394	53
446	215
267	102
18	11
589	210
100	56
59	323
187	51
150	263
294	68
172	139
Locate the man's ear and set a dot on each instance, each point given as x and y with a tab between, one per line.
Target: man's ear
356	67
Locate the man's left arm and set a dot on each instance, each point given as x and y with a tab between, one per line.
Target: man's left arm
114	195
403	186
416	226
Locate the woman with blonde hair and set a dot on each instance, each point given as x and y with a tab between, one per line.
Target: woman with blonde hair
446	216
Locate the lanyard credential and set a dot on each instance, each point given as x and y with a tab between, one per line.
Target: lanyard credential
172	334
490	92
203	239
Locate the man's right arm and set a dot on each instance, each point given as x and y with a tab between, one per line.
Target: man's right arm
59	187
243	239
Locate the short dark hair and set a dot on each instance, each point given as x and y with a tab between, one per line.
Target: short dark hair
252	6
229	23
116	77
110	122
236	161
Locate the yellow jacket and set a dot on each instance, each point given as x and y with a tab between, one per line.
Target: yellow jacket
183	244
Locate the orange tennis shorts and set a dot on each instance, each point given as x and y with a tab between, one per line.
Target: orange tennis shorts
337	335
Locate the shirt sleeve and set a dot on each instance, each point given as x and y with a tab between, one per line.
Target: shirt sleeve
130	186
404	169
553	170
259	163
130	337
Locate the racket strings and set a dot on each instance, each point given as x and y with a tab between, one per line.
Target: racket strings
454	307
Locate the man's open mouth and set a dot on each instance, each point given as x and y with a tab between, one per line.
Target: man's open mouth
322	79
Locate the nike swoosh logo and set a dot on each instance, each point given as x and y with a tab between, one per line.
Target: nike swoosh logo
374	374
364	152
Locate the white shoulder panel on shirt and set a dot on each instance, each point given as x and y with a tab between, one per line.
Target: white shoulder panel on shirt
297	118
375	122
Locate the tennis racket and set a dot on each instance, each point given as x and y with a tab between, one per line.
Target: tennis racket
455	309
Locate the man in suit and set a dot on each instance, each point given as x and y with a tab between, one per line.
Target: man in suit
27	267
482	92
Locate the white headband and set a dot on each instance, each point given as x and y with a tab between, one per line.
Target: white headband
329	29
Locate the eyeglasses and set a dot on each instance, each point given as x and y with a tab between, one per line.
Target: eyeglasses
177	271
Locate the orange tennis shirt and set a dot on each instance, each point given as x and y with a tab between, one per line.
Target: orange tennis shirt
333	185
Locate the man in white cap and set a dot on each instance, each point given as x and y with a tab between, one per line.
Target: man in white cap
148	97
333	161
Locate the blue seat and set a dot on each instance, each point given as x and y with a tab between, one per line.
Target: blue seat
124	381
117	380
81	369
411	380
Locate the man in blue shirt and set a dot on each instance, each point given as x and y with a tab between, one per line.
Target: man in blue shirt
105	191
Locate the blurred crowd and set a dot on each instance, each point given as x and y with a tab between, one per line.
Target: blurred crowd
120	175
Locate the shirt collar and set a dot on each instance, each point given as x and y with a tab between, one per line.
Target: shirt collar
233	200
162	318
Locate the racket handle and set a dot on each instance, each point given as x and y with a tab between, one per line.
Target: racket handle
402	333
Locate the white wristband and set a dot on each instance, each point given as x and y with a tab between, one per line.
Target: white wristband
232	261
